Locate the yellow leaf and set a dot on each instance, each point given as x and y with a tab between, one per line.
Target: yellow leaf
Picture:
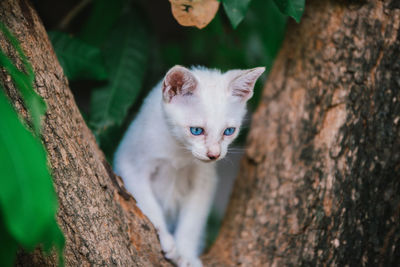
194	12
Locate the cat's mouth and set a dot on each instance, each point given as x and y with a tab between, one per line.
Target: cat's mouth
206	160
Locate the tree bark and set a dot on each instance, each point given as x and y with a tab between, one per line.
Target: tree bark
319	184
100	220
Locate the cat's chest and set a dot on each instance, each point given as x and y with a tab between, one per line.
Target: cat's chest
171	185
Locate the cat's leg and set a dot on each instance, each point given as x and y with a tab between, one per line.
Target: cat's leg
194	213
137	182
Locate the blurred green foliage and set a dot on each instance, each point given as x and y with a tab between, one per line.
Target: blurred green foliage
212	229
236	10
79	59
28	203
126	55
97	27
293	8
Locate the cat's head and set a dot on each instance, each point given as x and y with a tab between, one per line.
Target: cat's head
204	108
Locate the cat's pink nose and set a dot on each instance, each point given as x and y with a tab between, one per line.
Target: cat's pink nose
213	156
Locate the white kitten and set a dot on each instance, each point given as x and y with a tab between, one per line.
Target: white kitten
167	157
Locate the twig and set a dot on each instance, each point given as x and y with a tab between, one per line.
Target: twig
72	14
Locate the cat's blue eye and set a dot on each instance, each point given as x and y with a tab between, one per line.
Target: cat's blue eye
229	131
196	130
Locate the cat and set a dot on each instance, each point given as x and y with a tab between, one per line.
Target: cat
167	157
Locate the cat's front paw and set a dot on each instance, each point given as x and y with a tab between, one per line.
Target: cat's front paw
168	246
189	262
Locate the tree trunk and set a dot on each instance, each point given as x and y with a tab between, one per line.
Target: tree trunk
320	181
100	220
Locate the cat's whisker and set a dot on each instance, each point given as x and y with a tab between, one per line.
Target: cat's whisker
197	154
237	149
229	160
184	148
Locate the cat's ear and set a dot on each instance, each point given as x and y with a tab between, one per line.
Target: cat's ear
179	81
243	81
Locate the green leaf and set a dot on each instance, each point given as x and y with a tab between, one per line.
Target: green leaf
78	59
24	81
293	8
102	18
27	199
236	10
126	55
8	246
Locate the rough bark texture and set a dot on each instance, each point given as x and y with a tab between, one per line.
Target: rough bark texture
101	223
319	184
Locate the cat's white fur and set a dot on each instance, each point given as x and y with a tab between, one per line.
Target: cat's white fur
168	169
